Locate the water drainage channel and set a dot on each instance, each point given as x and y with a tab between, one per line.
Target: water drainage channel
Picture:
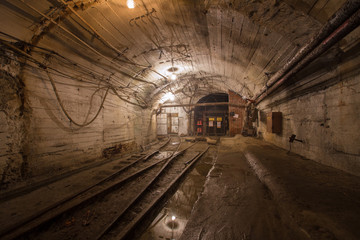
170	222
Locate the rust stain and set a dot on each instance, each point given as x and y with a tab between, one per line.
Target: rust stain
119	149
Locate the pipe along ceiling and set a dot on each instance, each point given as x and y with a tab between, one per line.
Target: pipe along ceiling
187	47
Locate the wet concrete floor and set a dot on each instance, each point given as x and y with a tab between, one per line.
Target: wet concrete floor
235	205
249	189
259	191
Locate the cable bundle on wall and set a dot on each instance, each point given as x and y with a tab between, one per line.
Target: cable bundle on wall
100	85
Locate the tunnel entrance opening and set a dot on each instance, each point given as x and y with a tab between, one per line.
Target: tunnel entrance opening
212	119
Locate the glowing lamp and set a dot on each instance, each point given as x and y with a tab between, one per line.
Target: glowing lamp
130	3
167	96
173	76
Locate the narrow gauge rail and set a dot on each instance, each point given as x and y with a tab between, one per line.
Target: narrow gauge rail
126	224
129	169
116	213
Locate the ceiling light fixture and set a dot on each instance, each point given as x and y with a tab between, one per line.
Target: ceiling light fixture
173	76
173	69
166	97
130	3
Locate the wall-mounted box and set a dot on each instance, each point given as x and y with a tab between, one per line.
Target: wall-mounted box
274	122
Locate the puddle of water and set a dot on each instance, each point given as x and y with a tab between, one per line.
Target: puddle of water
163	154
171	221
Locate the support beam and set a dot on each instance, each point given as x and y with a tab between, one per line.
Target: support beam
203	105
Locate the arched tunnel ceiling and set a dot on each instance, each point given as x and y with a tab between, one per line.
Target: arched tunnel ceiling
213	45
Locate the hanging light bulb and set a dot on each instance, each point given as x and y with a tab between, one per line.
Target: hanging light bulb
173	76
130	3
167	96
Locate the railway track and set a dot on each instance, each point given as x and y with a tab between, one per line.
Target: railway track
112	207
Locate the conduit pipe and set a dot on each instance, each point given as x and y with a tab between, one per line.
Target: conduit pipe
349	8
347	27
85	44
108	43
97	33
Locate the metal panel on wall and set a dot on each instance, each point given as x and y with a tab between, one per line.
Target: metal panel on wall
161	127
274	122
174	123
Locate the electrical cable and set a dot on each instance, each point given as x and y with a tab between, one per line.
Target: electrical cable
56	72
90	47
112	87
46	69
31	58
150	67
125	100
98	35
64	110
52	52
106	30
61	73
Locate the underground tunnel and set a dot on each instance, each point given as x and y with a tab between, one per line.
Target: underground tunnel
180	119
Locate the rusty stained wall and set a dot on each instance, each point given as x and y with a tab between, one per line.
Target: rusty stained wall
322	109
14	120
236	122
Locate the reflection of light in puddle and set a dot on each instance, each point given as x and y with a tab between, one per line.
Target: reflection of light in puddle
163	154
172	224
179	206
165	226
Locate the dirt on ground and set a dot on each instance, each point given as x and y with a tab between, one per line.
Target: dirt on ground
242	209
258	191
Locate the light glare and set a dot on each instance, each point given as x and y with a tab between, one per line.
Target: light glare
173	76
173	218
130	3
167	96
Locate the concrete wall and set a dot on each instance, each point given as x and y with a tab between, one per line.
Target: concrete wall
322	109
236	122
14	115
38	141
57	143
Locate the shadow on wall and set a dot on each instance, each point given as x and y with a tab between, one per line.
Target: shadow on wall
121	148
262	116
